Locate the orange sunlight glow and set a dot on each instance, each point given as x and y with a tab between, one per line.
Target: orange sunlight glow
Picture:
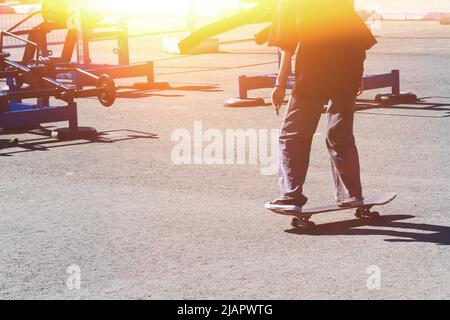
165	7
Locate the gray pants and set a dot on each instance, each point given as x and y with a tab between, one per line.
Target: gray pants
298	129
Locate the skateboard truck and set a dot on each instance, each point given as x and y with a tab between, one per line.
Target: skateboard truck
366	213
361	213
303	222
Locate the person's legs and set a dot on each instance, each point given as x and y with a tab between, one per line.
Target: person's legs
297	132
343	151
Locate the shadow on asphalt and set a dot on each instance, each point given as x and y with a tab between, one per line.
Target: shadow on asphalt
132	93
45	142
442	109
400	231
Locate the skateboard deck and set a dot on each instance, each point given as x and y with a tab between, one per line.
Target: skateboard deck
302	219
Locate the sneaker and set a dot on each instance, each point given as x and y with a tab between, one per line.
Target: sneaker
287	205
351	203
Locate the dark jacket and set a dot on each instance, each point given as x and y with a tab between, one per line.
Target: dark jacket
332	41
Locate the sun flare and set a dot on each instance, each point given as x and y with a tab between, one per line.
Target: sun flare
166	7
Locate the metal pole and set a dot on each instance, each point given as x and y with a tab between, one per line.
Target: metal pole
123	42
81	11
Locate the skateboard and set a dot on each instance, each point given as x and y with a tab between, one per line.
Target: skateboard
303	218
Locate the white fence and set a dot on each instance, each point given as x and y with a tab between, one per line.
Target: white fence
172	16
143	16
406	9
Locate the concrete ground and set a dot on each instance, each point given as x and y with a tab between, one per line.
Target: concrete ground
132	224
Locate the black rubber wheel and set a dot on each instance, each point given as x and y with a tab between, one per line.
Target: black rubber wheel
375	215
108	96
295	222
360	213
310	225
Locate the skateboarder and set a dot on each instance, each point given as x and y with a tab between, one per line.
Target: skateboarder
331	41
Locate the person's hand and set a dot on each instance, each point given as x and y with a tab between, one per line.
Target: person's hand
278	95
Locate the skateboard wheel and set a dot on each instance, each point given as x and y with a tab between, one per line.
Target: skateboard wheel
296	222
363	213
375	215
360	213
302	222
310	225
